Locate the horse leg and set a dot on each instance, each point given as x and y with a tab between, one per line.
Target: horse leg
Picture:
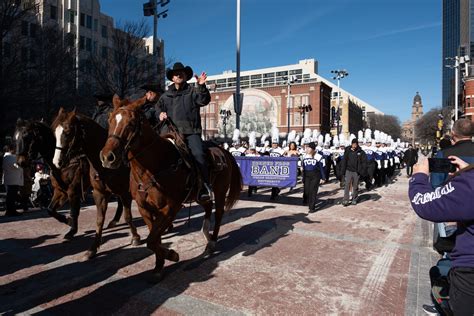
118	214
59	199
127	203
101	200
206	224
160	224
219	212
75	202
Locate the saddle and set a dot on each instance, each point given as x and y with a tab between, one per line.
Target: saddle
215	157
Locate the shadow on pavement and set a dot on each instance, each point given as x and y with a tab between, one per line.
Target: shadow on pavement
128	295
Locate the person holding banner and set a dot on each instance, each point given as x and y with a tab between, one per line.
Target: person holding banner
313	172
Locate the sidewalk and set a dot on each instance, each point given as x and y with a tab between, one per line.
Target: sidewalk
274	258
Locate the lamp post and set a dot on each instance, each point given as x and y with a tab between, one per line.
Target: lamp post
225	114
289	81
237	99
149	9
303	109
458	62
338	75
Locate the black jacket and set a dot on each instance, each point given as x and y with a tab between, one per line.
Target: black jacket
183	106
411	156
101	115
149	110
361	161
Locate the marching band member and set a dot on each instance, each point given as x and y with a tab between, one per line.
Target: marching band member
275	151
313	172
252	152
236	149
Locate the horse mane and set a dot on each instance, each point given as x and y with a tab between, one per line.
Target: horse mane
59	118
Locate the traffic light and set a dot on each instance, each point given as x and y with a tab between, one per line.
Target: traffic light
148	9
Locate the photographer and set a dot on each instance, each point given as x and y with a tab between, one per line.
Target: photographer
451	202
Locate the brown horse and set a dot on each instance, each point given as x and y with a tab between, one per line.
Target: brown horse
78	133
69	182
161	181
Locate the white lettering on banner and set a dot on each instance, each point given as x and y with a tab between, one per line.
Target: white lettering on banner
269	170
430	196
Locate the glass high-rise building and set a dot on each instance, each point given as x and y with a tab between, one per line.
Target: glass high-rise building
451	45
458	40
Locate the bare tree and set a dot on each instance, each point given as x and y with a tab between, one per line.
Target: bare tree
388	124
427	125
126	67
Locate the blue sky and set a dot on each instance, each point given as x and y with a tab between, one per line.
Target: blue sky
391	48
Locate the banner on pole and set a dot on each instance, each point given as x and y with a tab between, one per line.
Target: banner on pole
268	171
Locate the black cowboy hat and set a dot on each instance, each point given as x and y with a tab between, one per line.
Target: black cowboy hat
179	67
105	97
155	87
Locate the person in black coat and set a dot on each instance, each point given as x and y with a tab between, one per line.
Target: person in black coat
153	93
103	109
354	166
410	158
182	104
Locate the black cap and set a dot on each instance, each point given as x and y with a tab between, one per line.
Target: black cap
311	145
155	87
105	97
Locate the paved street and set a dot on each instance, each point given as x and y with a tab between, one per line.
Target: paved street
274	258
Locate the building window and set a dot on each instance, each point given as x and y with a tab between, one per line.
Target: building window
53	12
82	42
33	30
94	47
70	37
24	28
88	44
7	49
32	56
89	22
82	19
104	52
104	31
24	54
96	25
72	15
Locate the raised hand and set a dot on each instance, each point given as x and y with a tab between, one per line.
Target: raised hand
201	79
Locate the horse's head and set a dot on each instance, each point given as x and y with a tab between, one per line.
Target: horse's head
66	128
124	126
27	142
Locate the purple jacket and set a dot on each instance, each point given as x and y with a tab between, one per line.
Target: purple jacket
452	202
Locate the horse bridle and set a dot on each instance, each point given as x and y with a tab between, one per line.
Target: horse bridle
136	131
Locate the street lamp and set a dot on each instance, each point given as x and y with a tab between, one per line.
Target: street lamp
338	75
303	109
149	9
458	62
289	81
225	114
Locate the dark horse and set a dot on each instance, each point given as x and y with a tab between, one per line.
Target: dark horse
161	180
78	133
35	138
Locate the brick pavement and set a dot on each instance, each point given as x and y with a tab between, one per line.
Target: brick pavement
273	258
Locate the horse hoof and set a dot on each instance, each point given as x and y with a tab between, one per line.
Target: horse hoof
112	224
70	234
156	277
173	256
135	241
210	249
89	255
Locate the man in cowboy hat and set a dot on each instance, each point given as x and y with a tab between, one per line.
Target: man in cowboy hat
153	93
182	103
102	109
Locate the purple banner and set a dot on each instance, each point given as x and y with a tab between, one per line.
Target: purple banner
268	171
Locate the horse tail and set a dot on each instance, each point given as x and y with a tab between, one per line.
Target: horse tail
235	182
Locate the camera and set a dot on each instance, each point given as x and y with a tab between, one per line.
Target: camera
441	165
